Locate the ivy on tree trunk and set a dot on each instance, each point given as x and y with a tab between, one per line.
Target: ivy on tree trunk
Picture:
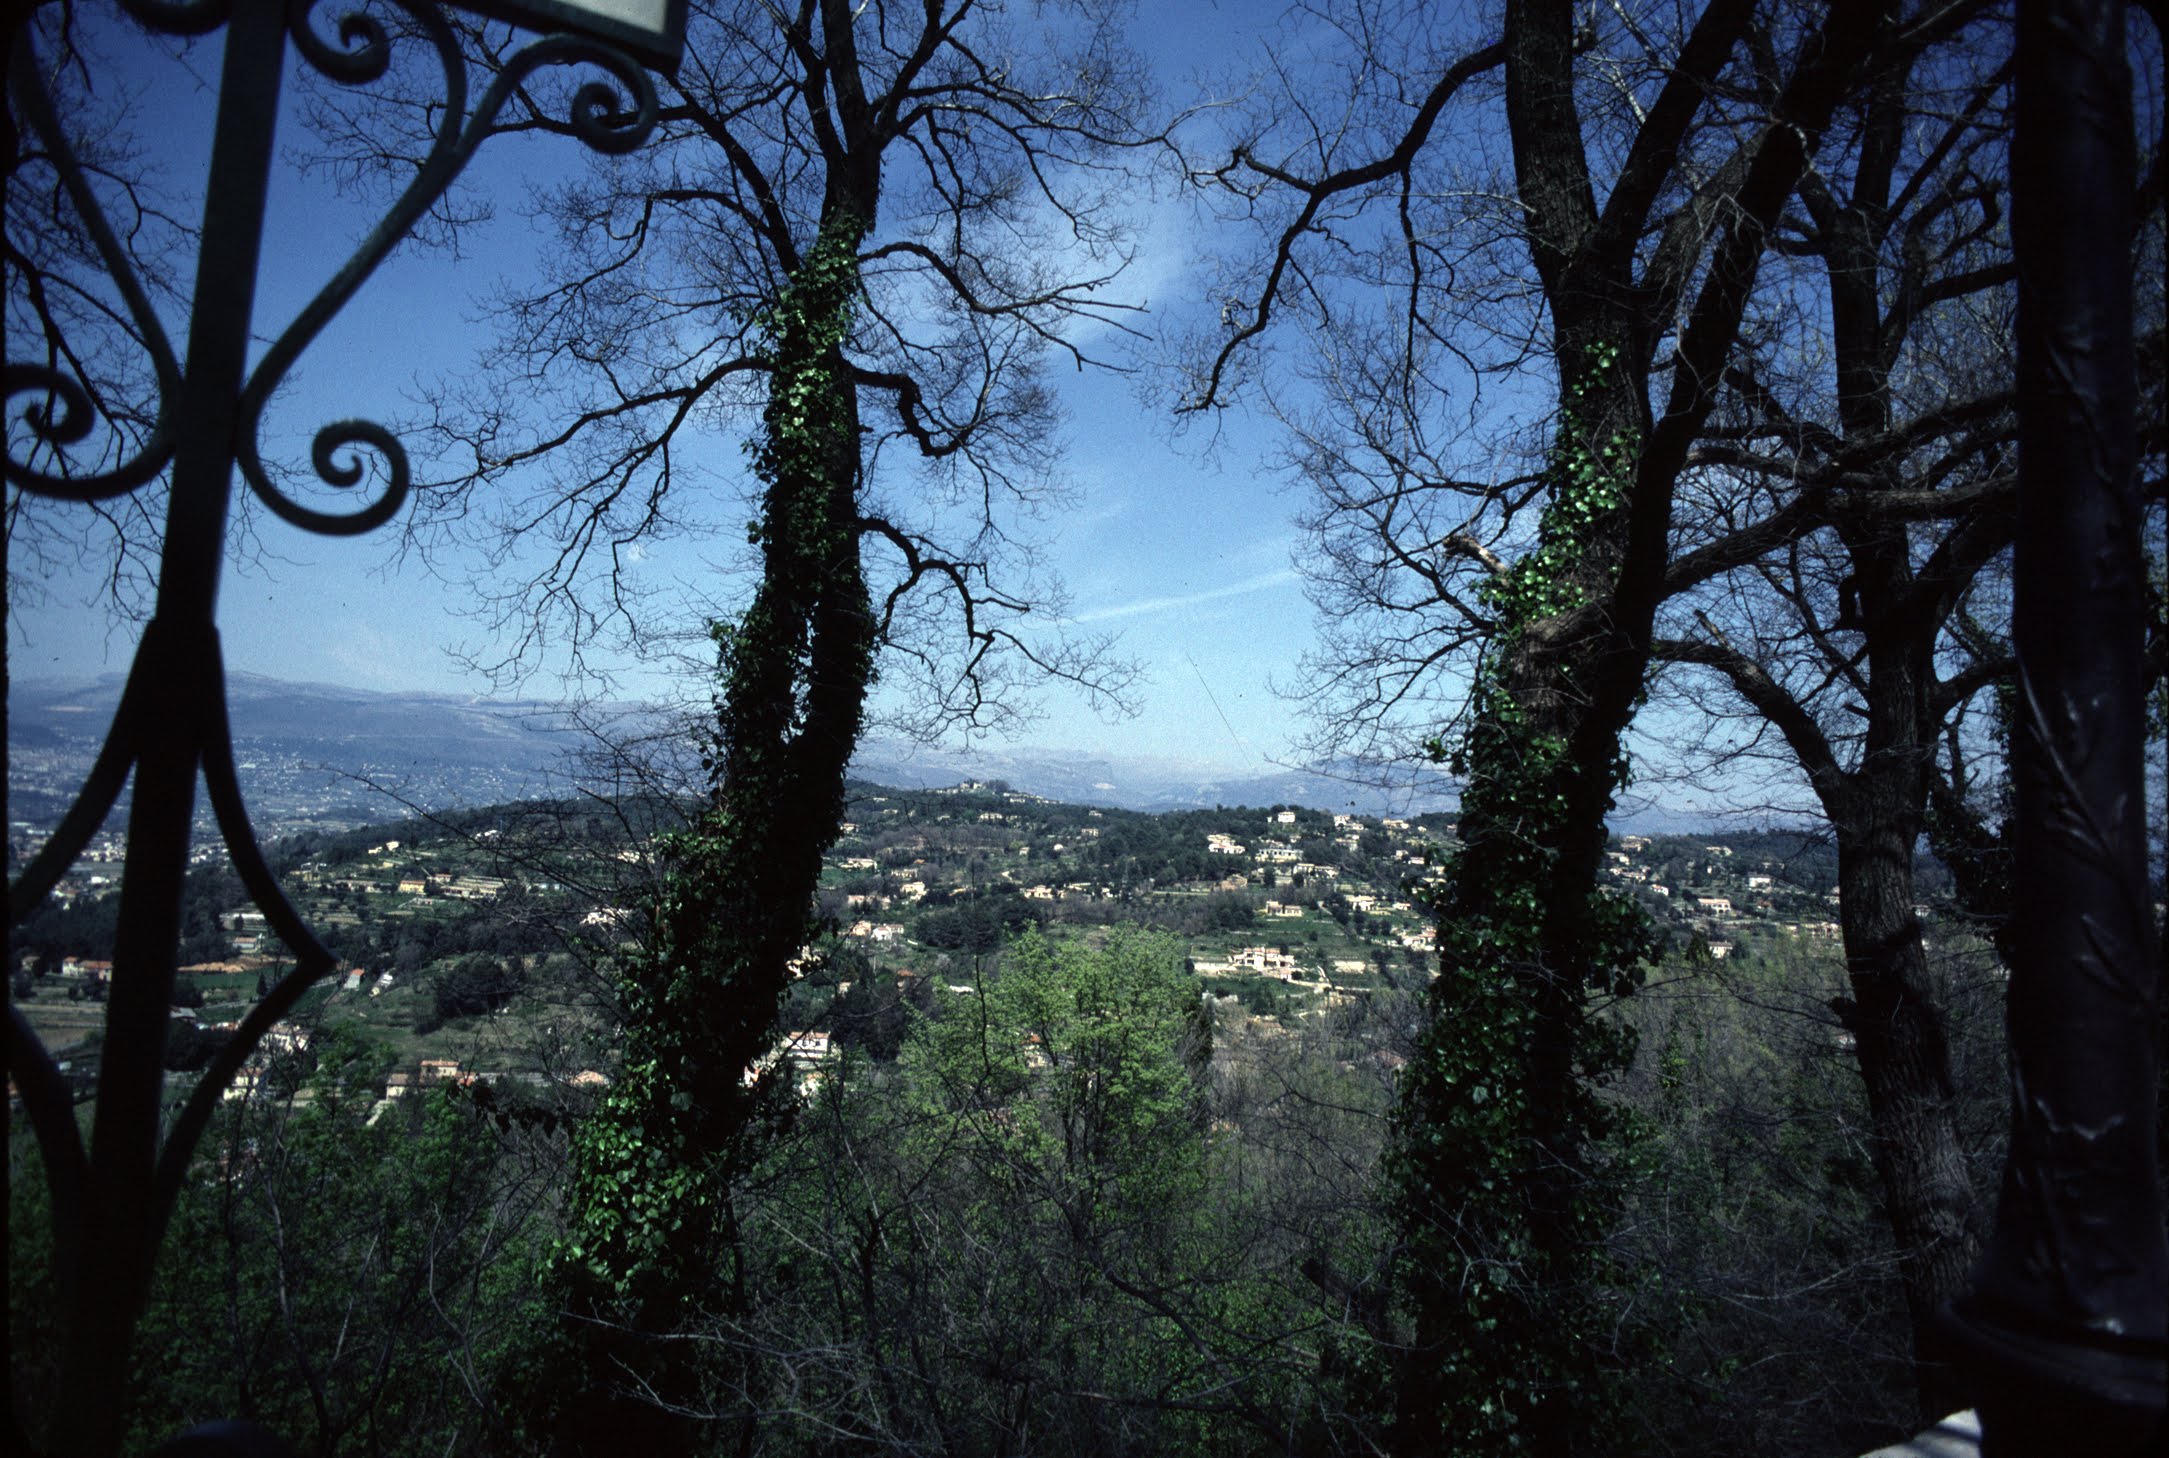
1508	1177
1505	1153
651	1228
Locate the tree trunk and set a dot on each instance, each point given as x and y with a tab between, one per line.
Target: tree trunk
652	1216
1899	1038
1506	1196
1878	812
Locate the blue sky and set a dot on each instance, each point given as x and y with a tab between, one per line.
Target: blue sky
1187	558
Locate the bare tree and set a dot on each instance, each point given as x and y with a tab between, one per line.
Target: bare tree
1862	478
862	232
1695	133
983	158
1827	552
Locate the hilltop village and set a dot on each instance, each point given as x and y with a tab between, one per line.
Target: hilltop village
480	944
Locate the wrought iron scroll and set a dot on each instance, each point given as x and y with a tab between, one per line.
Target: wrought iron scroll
172	720
595	117
71	423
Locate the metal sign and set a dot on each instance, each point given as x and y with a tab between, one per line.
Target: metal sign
652	30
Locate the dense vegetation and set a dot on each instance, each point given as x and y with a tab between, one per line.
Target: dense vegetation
1048	1189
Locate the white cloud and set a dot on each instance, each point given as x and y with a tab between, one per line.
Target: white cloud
1144	606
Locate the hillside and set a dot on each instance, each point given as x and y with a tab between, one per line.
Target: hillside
466	935
1258	971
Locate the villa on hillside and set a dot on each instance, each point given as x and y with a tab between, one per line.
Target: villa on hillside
1270	961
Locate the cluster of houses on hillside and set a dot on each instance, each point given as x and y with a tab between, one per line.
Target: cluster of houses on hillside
1729	896
458	886
1273	851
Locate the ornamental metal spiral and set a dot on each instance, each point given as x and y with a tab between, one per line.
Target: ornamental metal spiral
598	117
56	429
610	117
61	412
173	714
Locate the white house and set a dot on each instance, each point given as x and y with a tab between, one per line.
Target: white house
1269	960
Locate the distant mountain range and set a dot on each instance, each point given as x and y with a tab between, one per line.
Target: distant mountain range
531	748
343	724
1079	777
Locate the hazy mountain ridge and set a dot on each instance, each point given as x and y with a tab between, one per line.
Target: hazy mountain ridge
1082	777
534	741
443	727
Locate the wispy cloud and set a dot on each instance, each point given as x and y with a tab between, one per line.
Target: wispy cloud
1144	606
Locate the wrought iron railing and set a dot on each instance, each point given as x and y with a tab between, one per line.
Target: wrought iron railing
111	1200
